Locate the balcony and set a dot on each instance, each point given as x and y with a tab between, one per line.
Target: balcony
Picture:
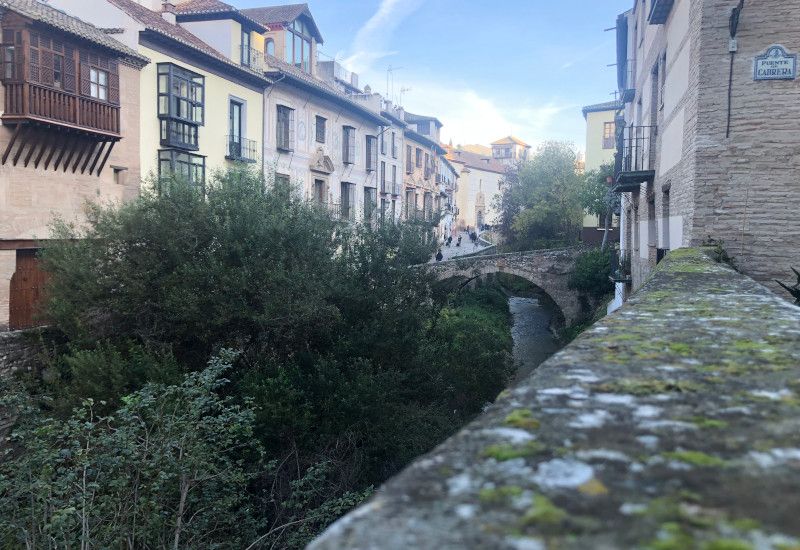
397	189
252	59
241	149
28	101
178	134
659	12
634	161
628	91
620	267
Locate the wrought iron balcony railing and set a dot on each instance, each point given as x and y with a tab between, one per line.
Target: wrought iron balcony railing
635	158
241	149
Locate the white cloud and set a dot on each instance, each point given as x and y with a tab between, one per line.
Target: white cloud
371	41
470	117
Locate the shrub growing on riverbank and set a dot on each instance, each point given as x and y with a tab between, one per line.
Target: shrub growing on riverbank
592	272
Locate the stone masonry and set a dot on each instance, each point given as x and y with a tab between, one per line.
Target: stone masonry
674	423
547	269
742	190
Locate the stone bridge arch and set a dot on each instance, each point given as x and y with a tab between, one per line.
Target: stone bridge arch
549	270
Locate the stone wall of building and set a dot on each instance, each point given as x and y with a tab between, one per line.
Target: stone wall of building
672	423
740	191
31	197
750	197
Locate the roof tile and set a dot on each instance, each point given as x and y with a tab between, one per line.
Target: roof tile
62	21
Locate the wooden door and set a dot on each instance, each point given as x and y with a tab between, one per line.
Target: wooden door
27	287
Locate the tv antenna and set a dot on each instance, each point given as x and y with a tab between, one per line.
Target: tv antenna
390	73
403	90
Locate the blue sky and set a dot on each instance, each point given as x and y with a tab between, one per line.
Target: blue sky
485	68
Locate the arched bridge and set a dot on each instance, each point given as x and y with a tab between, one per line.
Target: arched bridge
549	270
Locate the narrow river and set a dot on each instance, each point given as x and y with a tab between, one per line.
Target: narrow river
533	341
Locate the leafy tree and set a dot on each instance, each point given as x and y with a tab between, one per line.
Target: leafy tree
541	206
598	198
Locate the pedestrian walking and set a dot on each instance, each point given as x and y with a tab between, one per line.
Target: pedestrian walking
439	255
458	243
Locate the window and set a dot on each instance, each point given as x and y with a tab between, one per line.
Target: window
409	165
191	168
58	71
180	94
98	84
235	130
419	158
298	45
424	128
394	145
175	133
348	144
370	202
372	153
120	173
348	200
383	143
394	175
384	208
269	47
608	135
383	177
662	84
246	56
427	166
282	180
9	67
320	192
320	127
285	128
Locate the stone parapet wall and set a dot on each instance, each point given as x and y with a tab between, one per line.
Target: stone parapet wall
19	352
672	423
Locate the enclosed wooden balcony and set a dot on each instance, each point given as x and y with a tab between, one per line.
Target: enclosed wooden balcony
27	101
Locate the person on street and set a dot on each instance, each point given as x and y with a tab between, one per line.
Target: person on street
439	255
458	243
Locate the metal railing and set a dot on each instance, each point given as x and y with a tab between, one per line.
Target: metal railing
635	149
241	149
252	59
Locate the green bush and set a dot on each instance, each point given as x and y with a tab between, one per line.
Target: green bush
592	272
349	364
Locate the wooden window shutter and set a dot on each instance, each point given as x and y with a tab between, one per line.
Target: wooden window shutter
46	69
113	82
69	69
85	88
34	58
291	128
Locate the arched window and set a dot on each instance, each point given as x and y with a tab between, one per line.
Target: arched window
269	47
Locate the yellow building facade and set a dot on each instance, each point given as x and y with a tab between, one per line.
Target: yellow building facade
202	95
600	149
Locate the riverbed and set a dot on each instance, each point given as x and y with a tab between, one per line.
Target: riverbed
533	341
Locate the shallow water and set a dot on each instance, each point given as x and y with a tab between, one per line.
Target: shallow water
533	341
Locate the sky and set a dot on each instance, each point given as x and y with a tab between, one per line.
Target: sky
485	68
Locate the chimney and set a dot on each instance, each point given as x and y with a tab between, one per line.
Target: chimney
168	12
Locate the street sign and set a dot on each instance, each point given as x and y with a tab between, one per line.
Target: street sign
776	64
